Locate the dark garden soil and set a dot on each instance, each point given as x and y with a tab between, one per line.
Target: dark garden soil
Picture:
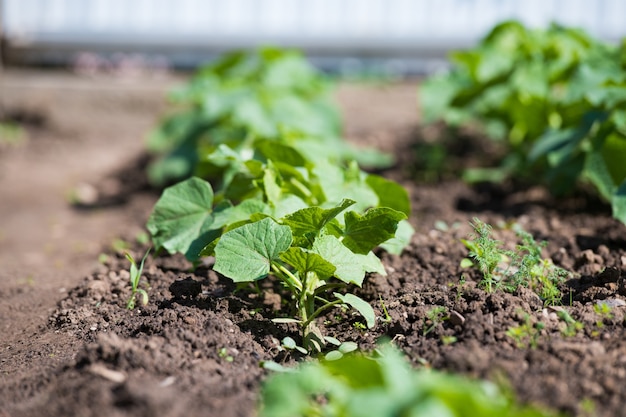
69	347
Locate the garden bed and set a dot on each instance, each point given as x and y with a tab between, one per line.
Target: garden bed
70	347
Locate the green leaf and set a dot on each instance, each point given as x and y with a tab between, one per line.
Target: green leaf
228	217
365	232
276	151
350	267
271	187
333	355
598	173
401	240
289	343
304	261
361	306
618	202
339	184
347	347
390	194
181	216
311	220
245	254
225	213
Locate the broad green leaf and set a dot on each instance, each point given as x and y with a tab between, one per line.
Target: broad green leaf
305	261
338	185
271	186
361	306
618	203
554	139
390	194
228	217
288	204
350	267
614	154
225	213
598	173
311	220
181	216
276	151
245	254
401	240
365	232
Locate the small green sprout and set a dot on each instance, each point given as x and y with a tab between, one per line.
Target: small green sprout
526	335
572	327
434	317
604	310
486	253
290	344
448	340
387	318
223	353
359	326
135	277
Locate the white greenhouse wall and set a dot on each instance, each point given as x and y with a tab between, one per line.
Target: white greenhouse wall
365	28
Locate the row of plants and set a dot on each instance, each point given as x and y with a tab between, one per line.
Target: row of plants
269	187
556	100
264	186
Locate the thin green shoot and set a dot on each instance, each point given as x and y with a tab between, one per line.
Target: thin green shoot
135	278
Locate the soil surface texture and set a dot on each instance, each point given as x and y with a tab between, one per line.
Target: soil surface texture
69	347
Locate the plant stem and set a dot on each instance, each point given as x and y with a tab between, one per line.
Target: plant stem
284	274
321	310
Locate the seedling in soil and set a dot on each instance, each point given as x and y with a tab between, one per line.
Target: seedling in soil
223	353
522	267
434	317
387	318
359	326
304	250
486	253
448	340
604	310
135	278
527	334
381	384
572	327
282	185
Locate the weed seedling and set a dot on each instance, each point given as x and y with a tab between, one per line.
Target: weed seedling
572	327
486	253
604	310
387	318
434	317
223	353
448	340
523	267
359	326
526	335
135	278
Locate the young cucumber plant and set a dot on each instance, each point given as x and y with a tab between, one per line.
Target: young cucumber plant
382	384
269	94
135	280
279	192
556	100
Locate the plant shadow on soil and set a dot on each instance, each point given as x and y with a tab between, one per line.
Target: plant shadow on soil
195	348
